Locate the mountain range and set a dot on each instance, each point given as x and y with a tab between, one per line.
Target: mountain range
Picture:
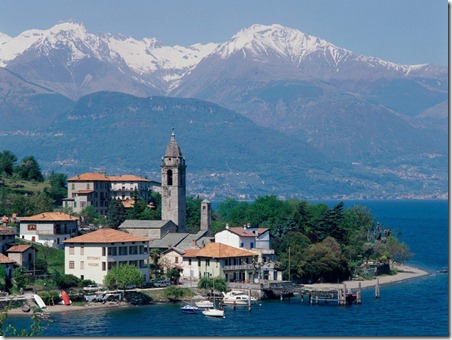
309	118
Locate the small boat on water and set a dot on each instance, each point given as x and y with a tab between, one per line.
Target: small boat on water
214	312
189	308
443	270
204	304
237	298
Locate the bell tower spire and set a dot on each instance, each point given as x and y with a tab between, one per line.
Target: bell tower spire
173	184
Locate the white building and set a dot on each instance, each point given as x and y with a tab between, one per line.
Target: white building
246	237
91	256
49	228
257	240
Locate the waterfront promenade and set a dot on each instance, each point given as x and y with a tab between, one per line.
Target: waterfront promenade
404	273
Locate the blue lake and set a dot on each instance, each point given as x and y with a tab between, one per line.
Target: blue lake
419	307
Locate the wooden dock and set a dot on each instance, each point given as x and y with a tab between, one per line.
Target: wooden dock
339	295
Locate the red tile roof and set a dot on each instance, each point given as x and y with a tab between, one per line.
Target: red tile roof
106	235
99	176
50	216
7	231
5	259
83	192
19	248
217	250
89	176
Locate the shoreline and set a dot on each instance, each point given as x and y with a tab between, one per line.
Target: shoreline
404	273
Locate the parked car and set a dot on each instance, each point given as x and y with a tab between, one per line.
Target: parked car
162	283
92	288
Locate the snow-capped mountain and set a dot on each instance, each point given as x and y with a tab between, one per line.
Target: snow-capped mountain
75	62
389	120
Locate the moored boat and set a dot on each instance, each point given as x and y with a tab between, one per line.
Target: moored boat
189	308
204	304
219	313
237	298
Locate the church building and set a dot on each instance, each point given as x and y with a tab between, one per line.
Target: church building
173	185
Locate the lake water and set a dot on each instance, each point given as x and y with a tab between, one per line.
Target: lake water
419	307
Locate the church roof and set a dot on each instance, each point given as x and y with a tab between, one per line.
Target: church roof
173	149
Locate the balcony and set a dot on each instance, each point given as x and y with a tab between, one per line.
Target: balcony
246	266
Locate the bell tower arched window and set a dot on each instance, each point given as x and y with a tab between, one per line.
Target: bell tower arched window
169	176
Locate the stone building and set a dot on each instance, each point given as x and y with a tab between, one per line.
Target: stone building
173	185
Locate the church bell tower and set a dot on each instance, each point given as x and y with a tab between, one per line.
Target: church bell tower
173	185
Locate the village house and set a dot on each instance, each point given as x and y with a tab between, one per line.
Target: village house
24	255
97	189
9	265
93	255
256	240
49	228
7	237
218	259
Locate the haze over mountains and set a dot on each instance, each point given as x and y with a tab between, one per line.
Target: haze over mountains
276	111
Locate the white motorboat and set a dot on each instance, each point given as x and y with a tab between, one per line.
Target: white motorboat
237	298
219	313
204	304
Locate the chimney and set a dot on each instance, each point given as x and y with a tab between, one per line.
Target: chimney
194	243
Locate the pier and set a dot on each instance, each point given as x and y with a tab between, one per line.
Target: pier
339	295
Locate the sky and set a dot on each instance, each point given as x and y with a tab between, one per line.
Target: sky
401	31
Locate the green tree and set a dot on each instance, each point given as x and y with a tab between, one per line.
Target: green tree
325	262
58	189
123	276
116	214
193	220
173	293
29	169
89	215
19	279
2	278
37	327
291	256
217	283
7	160
398	251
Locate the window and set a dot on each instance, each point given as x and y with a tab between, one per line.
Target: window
189	262
73	186
133	250
252	245
169	174
241	244
176	259
207	262
104	251
31	227
71	265
82	265
112	251
71	250
82	250
104	265
122	250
